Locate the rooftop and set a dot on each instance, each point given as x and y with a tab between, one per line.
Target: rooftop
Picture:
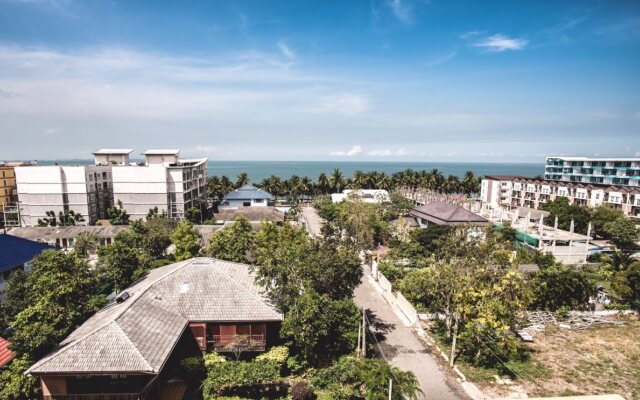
15	251
161	152
139	334
6	355
573	158
441	213
113	151
247	192
62	232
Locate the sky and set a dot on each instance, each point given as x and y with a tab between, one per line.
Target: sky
380	80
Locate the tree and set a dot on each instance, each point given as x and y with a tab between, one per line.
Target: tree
193	215
186	240
63	289
566	212
154	213
15	385
233	243
117	214
242	180
66	218
121	263
85	244
560	286
623	233
17	297
601	216
626	285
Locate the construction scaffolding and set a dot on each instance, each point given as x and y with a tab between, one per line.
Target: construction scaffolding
10	216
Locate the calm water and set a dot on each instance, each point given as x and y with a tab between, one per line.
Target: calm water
259	170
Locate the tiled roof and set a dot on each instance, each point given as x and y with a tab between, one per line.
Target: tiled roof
15	251
247	192
442	213
139	334
65	232
6	355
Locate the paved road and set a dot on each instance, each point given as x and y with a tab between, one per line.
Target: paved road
314	223
403	349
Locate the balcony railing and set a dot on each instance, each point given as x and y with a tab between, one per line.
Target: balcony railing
233	342
150	391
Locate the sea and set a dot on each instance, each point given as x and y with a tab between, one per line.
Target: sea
259	170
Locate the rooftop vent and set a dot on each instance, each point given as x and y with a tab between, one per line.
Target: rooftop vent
122	297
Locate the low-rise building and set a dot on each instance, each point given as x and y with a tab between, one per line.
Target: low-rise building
245	196
17	254
373	196
516	191
442	213
64	237
133	346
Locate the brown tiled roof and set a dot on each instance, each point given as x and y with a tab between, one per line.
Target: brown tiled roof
6	355
138	334
442	213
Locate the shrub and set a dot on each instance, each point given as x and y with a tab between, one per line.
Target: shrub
193	369
213	358
277	354
301	391
227	374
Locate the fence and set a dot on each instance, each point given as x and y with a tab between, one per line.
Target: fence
394	297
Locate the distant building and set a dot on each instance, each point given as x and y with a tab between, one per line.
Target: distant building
598	171
7	185
246	196
374	196
441	213
132	347
164	181
516	191
17	254
64	237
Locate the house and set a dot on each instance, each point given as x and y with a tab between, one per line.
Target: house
246	196
251	213
374	196
17	254
441	213
64	237
132	347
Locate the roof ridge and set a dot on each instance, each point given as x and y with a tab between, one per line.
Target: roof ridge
134	345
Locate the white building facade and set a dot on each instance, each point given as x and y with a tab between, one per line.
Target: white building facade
599	171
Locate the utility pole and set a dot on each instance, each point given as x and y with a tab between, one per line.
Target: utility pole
390	387
359	339
364	334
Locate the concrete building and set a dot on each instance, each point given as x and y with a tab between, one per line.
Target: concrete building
7	184
372	196
516	191
246	196
84	189
600	171
164	181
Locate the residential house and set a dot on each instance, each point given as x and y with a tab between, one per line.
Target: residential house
131	349
17	254
64	237
441	213
373	196
246	196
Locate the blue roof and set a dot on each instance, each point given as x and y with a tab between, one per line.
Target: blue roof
248	192
15	251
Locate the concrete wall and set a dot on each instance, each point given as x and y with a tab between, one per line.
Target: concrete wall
235	204
140	188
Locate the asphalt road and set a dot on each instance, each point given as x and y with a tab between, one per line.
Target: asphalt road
402	348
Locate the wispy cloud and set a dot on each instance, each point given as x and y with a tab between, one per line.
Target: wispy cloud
499	43
347	104
388	153
354	151
401	10
286	50
442	58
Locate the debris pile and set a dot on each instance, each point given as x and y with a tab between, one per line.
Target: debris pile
538	320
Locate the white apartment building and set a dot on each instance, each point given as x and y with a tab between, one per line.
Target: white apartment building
163	180
516	191
84	189
599	171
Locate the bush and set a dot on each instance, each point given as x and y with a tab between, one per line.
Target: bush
277	354
301	391
213	358
561	286
228	374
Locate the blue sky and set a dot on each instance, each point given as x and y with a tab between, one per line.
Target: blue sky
385	80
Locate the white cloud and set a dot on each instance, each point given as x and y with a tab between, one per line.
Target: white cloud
401	10
347	104
388	153
286	50
500	43
355	150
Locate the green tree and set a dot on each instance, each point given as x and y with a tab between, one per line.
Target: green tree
186	240
14	384
193	215
234	242
626	284
117	214
63	290
566	212
121	263
624	234
155	213
560	286
601	216
85	244
242	180
17	297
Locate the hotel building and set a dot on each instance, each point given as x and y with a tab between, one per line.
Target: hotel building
163	180
599	171
517	191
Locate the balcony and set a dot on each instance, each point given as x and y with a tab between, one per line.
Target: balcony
230	343
149	392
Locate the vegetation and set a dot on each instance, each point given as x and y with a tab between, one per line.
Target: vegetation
234	243
118	215
186	240
66	218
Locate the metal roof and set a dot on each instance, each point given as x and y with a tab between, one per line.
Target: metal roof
15	251
247	192
139	334
113	151
441	213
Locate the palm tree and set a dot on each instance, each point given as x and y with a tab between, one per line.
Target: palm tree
452	184
436	179
242	180
357	180
470	183
225	184
323	183
337	181
383	181
306	186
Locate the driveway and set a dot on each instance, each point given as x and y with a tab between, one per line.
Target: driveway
313	221
402	348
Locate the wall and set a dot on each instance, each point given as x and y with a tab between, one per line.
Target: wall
140	188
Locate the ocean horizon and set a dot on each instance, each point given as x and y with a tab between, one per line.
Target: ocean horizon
259	170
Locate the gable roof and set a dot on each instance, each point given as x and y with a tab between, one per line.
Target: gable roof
247	192
441	213
15	251
6	355
139	334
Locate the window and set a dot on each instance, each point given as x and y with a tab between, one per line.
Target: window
246	204
259	200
